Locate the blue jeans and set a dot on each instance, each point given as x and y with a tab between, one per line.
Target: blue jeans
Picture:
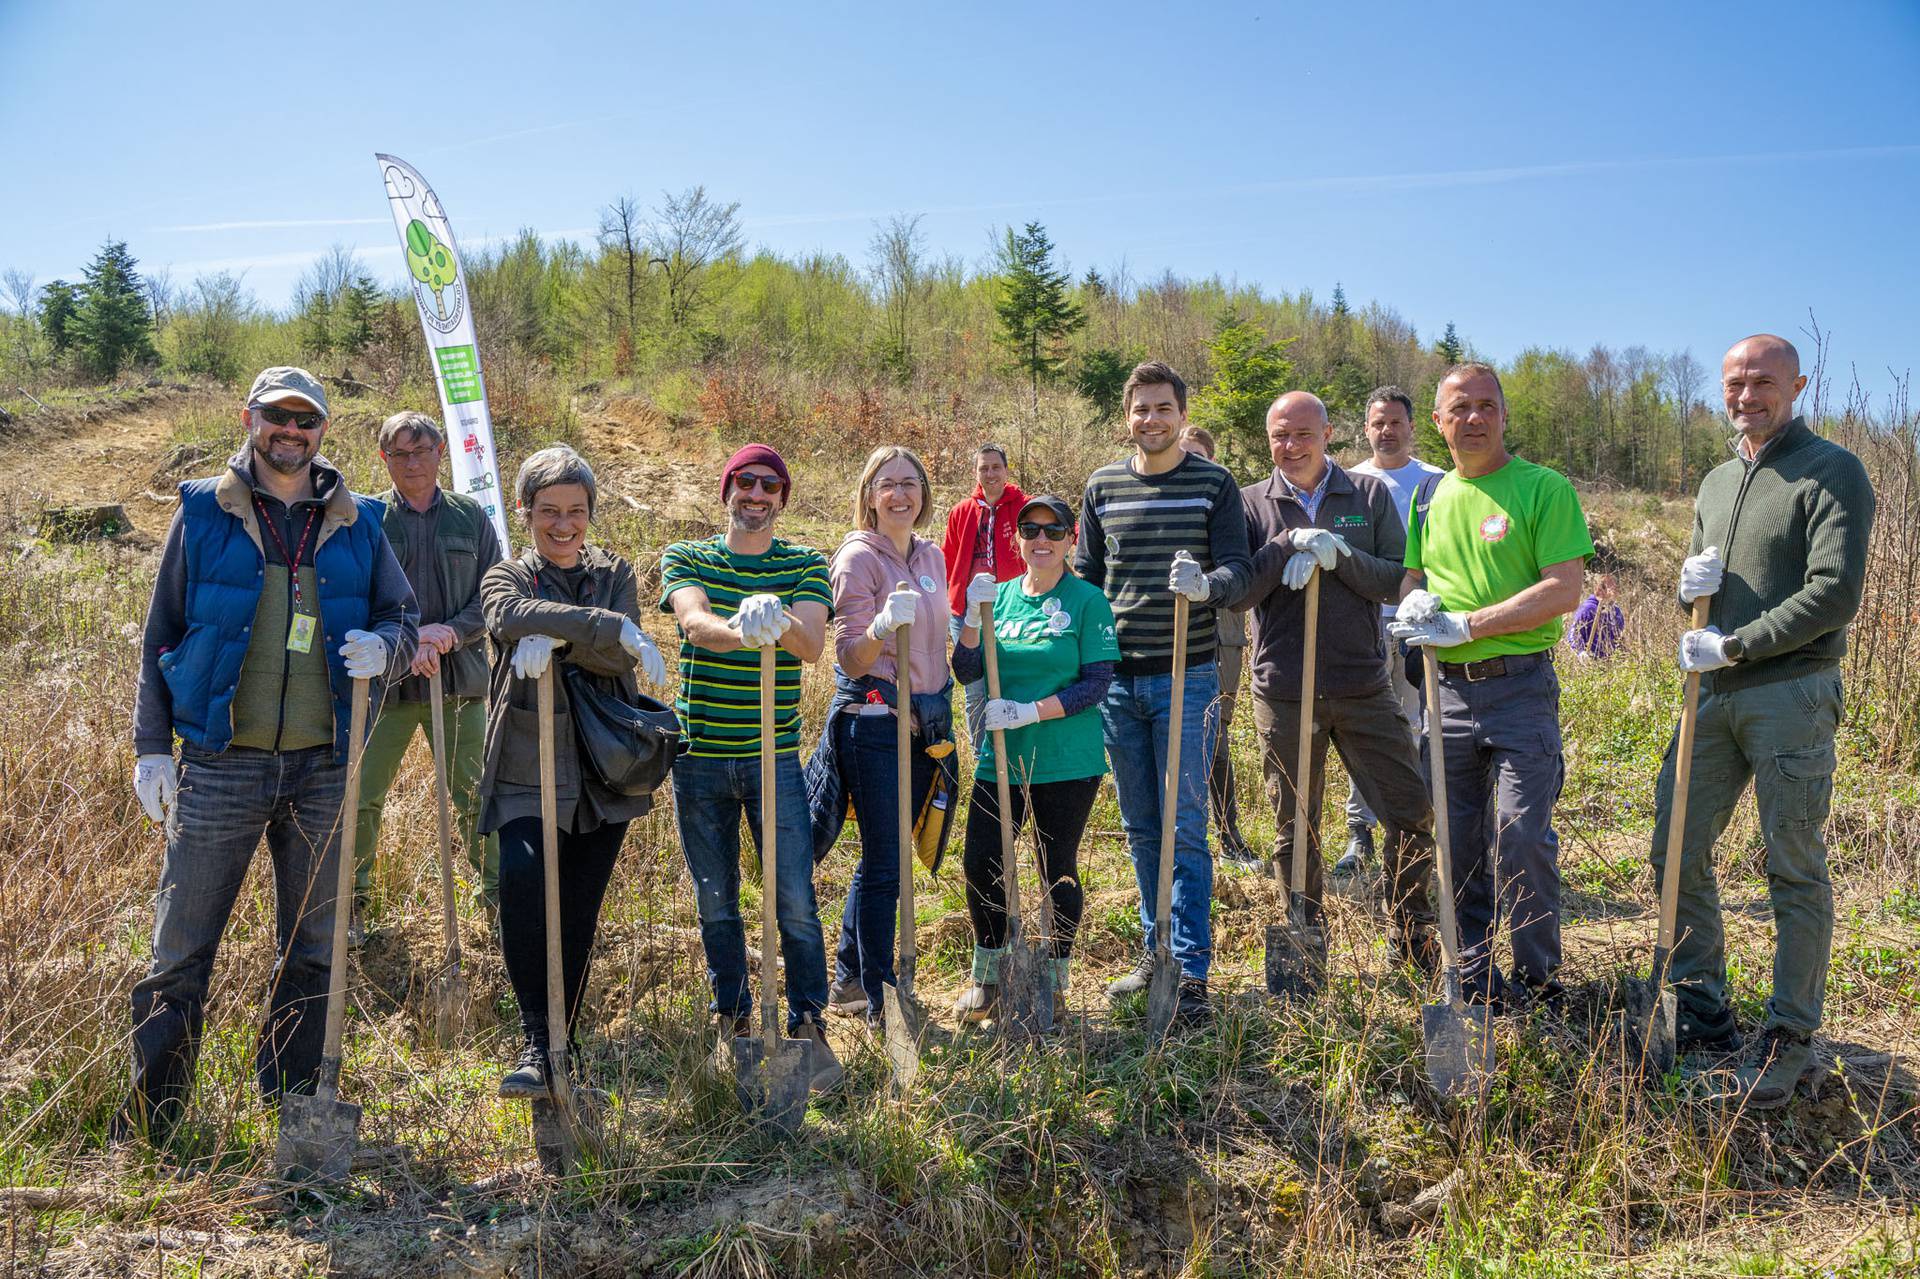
226	801
868	748
976	696
709	796
1136	717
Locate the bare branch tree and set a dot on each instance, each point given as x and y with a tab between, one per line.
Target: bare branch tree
688	235
622	232
898	252
1684	380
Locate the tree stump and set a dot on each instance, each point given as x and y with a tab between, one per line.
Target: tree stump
84	523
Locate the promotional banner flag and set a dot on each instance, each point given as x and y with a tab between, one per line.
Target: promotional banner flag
446	316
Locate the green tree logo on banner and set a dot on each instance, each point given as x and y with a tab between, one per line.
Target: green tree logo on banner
430	262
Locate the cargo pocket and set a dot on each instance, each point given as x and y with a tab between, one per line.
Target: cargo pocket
1806	786
520	751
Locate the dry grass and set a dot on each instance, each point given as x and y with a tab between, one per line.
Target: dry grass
1281	1141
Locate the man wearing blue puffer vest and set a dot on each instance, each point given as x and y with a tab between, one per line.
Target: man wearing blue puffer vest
276	590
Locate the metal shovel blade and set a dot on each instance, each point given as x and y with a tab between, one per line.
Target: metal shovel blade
1459	1044
773	1087
906	1029
1296	957
452	1007
1163	994
1649	1045
1026	992
556	1139
318	1135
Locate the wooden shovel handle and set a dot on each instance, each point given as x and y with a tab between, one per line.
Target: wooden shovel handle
449	917
903	714
1170	799
1303	774
1009	866
1682	781
769	859
343	883
550	870
1442	840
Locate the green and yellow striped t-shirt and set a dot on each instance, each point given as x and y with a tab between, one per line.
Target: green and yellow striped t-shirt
719	700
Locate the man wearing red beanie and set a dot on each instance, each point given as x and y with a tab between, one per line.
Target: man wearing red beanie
980	540
733	595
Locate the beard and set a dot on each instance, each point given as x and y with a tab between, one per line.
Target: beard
285	455
749	521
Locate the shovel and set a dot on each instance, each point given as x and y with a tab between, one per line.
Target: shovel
1297	949
559	1138
451	1000
1651	1008
906	1019
1024	1008
771	1073
1459	1045
1163	991
318	1133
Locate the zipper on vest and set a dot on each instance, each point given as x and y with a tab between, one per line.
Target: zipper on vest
286	669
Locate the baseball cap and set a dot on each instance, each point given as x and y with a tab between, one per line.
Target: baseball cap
1047	501
284	382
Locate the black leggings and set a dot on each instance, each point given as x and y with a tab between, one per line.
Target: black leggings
1060	812
586	864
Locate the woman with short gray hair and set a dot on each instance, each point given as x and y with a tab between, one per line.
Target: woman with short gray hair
564	600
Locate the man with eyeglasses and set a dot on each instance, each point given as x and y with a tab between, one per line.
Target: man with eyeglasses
276	590
445	544
733	595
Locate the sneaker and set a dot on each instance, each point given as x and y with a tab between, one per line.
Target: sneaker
1134	982
529	1076
976	1004
1236	852
1783	1061
1194	1008
847	998
1708	1034
826	1070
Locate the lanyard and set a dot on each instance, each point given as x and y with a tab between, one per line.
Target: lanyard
293	561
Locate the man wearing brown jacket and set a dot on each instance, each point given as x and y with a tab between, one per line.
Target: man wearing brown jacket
1310	515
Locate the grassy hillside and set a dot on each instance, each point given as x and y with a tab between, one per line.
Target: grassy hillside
1279	1141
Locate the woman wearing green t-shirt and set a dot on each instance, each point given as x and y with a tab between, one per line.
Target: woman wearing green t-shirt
1057	650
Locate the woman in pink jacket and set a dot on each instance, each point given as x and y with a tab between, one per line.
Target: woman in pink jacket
883	575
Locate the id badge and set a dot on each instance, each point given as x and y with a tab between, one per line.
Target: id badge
300	635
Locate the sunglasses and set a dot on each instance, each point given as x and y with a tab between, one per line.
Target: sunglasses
771	485
1052	532
281	417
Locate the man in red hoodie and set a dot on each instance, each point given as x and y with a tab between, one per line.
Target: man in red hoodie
980	540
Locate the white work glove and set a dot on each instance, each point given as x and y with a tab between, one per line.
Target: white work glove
1701	574
895	613
1442	630
365	654
532	654
1704	650
1188	578
156	780
1419	606
981	590
643	650
1004	715
1300	566
761	620
1325	547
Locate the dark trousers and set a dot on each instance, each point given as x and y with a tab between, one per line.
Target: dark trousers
586	865
1222	796
1060	811
1504	773
1372	740
869	746
226	802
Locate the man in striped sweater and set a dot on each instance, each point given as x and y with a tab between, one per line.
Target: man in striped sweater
1164	522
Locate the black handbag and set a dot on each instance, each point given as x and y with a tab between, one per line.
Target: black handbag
628	748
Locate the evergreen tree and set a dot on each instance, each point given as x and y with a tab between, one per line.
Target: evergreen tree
1249	373
1340	307
1449	347
112	328
1100	377
314	323
353	331
58	303
1036	315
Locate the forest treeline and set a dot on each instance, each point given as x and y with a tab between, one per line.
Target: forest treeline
669	299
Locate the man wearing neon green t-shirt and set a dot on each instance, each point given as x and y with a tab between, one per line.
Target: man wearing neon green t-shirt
1495	551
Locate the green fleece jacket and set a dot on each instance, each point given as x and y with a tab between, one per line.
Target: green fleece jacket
1792	529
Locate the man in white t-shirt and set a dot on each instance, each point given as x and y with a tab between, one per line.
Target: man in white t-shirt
1390	435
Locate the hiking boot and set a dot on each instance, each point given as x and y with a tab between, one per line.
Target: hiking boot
847	998
1134	982
1782	1061
356	926
1194	1008
530	1075
730	1026
1237	853
976	1004
824	1067
1708	1034
1352	866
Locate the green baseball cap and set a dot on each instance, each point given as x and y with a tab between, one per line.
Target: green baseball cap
284	382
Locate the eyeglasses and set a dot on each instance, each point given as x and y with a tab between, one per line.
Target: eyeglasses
1052	532
281	417
408	457
747	481
896	486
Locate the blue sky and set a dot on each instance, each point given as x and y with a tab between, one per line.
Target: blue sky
1670	175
